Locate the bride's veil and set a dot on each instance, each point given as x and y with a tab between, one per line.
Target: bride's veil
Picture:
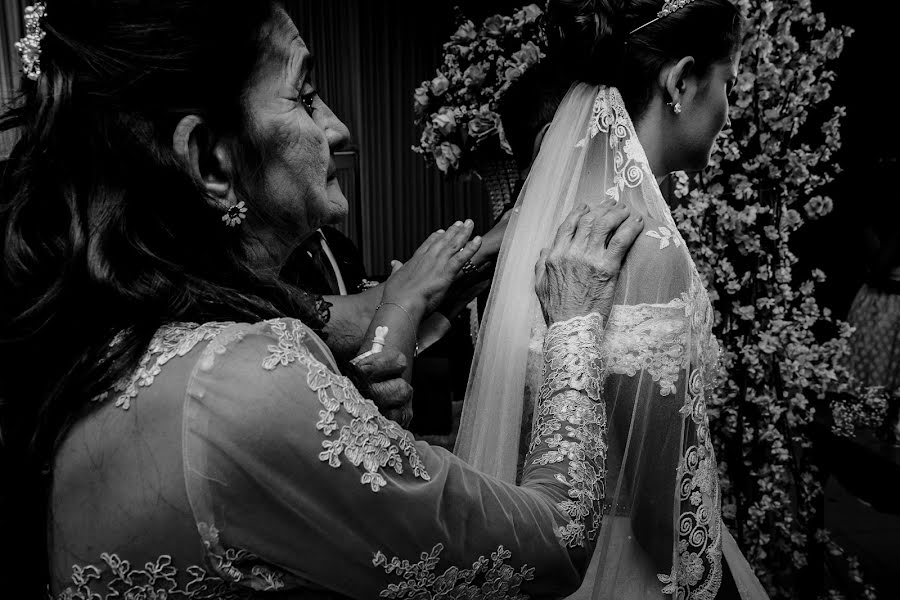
491	421
662	532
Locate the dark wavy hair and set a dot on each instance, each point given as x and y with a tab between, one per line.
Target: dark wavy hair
104	231
592	40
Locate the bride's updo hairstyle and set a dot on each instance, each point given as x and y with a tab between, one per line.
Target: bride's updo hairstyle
103	230
593	40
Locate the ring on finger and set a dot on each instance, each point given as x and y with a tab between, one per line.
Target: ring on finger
469	267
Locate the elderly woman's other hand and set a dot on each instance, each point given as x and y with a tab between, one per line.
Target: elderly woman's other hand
421	282
383	374
577	275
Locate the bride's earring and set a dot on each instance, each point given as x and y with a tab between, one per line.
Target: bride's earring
676	107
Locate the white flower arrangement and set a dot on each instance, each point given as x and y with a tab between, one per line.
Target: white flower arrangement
456	110
784	354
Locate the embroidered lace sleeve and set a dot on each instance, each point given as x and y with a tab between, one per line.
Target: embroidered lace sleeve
305	482
569	433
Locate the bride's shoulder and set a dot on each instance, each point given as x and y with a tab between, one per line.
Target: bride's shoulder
660	241
659	254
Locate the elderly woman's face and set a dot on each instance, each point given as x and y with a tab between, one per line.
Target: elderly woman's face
298	134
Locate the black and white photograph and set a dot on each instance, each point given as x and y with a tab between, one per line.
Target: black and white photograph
449	299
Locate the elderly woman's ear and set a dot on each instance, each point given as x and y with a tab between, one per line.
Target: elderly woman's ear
207	158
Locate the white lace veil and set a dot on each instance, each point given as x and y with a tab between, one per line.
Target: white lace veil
662	531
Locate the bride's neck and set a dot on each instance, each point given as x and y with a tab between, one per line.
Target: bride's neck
650	132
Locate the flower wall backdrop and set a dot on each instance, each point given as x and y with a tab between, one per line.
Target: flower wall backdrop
784	354
456	111
459	128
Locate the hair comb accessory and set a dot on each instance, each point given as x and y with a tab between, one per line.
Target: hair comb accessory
29	47
669	6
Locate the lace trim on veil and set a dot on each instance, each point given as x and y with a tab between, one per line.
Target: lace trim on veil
670	342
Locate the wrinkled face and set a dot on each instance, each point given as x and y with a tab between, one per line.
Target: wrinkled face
705	114
298	135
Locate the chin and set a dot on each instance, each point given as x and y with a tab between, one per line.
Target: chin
338	206
699	163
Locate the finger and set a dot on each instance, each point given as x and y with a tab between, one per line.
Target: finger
402	416
391	394
395	266
456	237
623	239
458	260
609	223
384	365
541	265
567	229
430	241
585	227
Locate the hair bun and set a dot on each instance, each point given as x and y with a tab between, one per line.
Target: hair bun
583	32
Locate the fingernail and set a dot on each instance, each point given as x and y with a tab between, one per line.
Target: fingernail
469	222
476	239
440	231
457	224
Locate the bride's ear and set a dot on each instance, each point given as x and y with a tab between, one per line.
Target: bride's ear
674	80
207	159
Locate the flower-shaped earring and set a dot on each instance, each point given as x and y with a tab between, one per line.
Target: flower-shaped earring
235	215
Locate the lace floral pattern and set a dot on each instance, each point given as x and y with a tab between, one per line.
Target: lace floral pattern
631	167
172	340
571	422
648	337
238	566
370	441
697	571
487	579
156	580
665	236
237	574
609	116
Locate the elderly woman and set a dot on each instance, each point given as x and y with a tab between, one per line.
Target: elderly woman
172	425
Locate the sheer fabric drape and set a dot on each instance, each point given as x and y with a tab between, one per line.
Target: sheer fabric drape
662	533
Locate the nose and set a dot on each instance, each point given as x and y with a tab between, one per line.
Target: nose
336	133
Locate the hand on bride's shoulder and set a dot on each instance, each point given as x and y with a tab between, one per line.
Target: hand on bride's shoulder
577	274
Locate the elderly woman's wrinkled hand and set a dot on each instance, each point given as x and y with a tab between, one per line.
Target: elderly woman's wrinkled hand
577	275
391	393
423	280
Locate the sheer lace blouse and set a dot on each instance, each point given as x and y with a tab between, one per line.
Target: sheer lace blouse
236	461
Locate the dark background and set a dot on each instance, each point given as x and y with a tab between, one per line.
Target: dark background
372	55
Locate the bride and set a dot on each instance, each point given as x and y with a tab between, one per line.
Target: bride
650	97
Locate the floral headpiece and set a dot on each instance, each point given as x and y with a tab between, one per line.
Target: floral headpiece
29	47
669	6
